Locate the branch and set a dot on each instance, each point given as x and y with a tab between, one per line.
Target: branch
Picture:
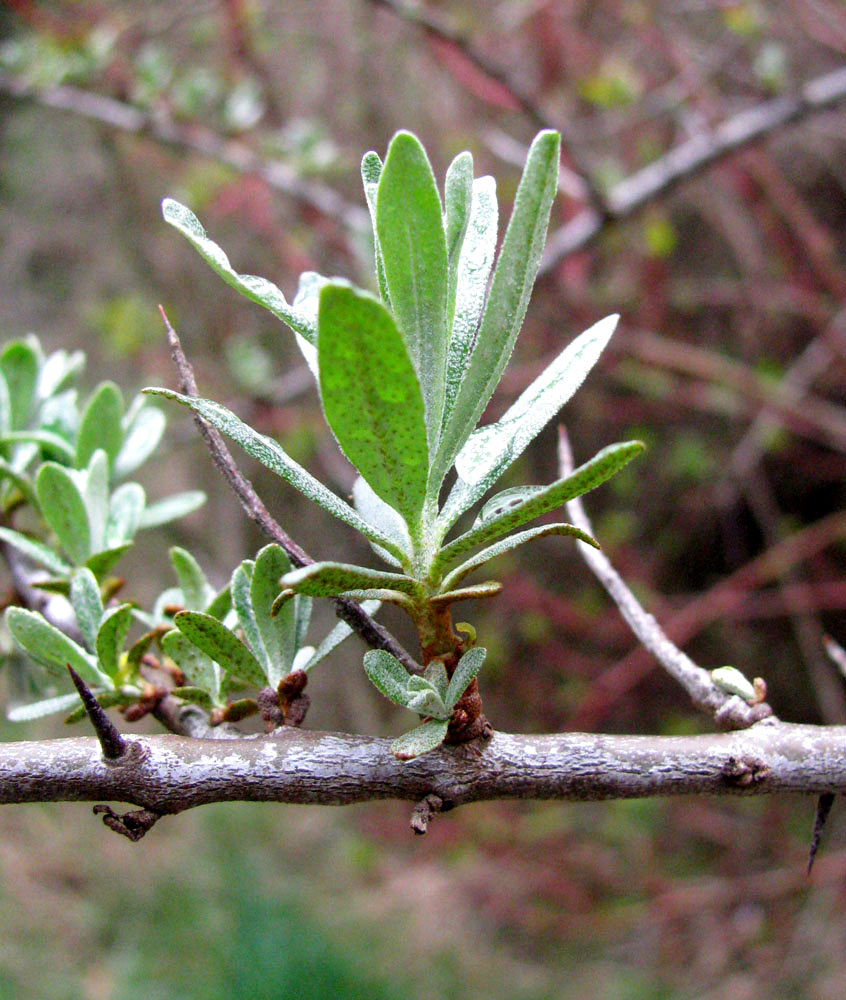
731	712
689	158
168	774
234	153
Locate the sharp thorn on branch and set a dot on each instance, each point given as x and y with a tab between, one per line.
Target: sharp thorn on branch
113	745
824	804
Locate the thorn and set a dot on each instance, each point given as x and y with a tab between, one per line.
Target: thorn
113	745
133	824
824	804
424	811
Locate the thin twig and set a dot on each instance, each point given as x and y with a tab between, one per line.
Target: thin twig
371	632
689	158
580	183
233	153
731	712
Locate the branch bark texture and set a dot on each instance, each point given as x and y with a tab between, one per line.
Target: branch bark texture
168	774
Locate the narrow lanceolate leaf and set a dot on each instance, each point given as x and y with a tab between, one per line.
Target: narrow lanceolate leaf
171	508
110	638
87	604
328	579
458	200
52	648
383	517
196	589
334	639
216	641
421	740
512	542
52	444
100	426
198	668
101	562
435	673
95	493
241	602
490	450
465	672
64	510
509	294
37	551
278	632
478	250
274	457
260	290
126	509
19	369
371	396
38	709
410	230
387	675
588	476
371	171
143	427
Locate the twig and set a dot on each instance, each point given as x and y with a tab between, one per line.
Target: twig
579	182
372	632
233	153
690	157
730	712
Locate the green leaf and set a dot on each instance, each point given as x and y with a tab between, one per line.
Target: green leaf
458	200
421	740
507	544
125	512
170	508
101	562
15	478
328	579
273	456
436	675
383	517
490	450
334	639
371	171
509	295
425	700
101	426
259	290
588	476
95	493
19	368
199	669
38	709
478	250
196	589
387	675
64	509
478	591
87	604
371	396
277	633
57	371
37	551
216	641
411	236
307	302
110	638
242	603
52	648
48	441
465	672
143	427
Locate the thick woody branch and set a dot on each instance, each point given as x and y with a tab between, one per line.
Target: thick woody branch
168	774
